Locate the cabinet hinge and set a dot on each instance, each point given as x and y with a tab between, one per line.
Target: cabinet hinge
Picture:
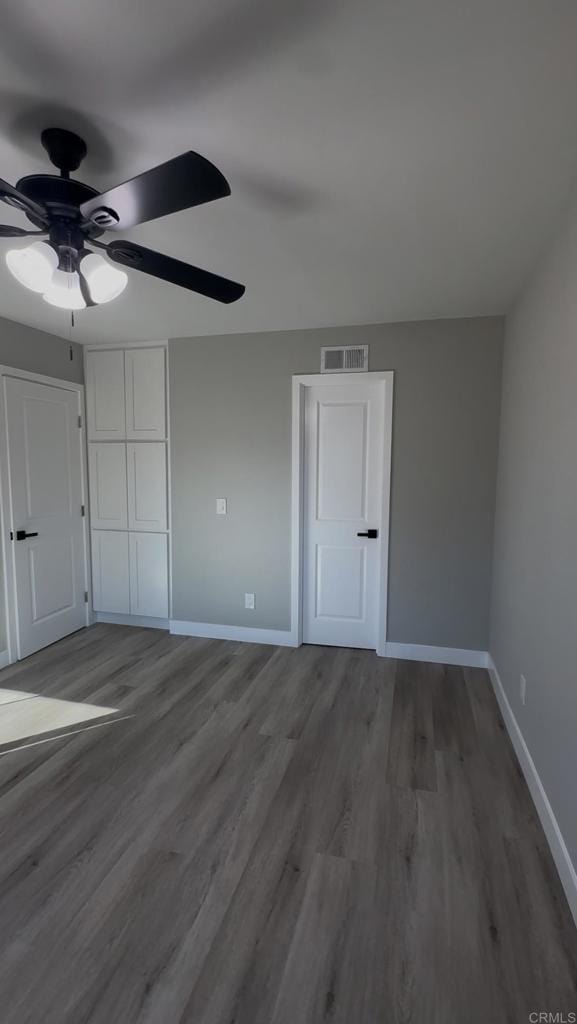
82	510
80	421
85	597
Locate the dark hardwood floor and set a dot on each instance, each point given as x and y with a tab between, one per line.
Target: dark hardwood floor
274	836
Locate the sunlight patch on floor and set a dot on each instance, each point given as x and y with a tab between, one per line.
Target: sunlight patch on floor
26	715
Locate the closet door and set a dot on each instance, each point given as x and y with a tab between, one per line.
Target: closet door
105	395
108	497
110	573
149	574
145	394
147	486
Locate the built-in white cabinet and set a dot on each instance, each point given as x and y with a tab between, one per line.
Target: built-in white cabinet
126	394
110	572
148	574
108	486
126	414
105	395
145	394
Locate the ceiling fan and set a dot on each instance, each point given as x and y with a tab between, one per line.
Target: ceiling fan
73	216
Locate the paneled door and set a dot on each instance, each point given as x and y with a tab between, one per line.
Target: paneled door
45	465
342	513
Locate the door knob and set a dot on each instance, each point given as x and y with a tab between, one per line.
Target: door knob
22	535
372	534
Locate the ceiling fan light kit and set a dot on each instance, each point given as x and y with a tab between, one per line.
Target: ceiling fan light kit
73	216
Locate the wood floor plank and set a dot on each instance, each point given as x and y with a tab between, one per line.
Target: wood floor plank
412	748
273	835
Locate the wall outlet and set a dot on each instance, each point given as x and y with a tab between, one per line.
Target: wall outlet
249	601
523	690
221	506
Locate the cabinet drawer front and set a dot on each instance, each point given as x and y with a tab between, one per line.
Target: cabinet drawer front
108	498
110	575
149	574
147	497
105	395
145	375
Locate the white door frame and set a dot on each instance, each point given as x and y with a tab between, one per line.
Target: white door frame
309	380
7	546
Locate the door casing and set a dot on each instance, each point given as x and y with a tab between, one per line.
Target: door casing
300	383
7	546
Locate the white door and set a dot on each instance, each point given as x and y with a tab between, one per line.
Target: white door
145	394
108	492
110	571
343	488
147	486
149	574
105	395
45	462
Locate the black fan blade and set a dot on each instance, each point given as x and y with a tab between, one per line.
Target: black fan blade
186	181
9	231
15	198
175	271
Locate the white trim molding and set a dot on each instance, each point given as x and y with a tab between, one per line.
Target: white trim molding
246	634
440	655
117	619
299	383
553	834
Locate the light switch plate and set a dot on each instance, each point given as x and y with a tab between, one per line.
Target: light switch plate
221	506
249	601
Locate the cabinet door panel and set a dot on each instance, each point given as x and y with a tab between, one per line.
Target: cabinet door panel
147	486
145	394
110	575
149	574
108	497
105	395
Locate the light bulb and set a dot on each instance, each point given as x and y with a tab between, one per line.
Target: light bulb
33	266
105	282
64	291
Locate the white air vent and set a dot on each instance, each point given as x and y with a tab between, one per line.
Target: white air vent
346	359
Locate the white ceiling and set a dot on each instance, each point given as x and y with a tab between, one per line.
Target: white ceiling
389	159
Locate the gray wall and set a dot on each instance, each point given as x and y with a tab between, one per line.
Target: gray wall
231	437
28	349
534	605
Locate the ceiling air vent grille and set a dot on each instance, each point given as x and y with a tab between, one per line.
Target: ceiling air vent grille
346	359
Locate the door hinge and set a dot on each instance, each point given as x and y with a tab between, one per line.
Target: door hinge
82	510
85	597
80	421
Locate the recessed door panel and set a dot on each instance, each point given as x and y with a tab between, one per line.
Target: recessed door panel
340	582
108	489
105	395
145	394
110	571
149	574
341	460
147	486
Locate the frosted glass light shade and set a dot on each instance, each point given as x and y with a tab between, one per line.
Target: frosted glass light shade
33	266
64	291
104	281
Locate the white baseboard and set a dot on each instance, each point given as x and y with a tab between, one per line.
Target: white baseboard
213	631
553	833
442	655
131	620
4	659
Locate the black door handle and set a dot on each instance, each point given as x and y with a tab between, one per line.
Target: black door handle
22	535
372	534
